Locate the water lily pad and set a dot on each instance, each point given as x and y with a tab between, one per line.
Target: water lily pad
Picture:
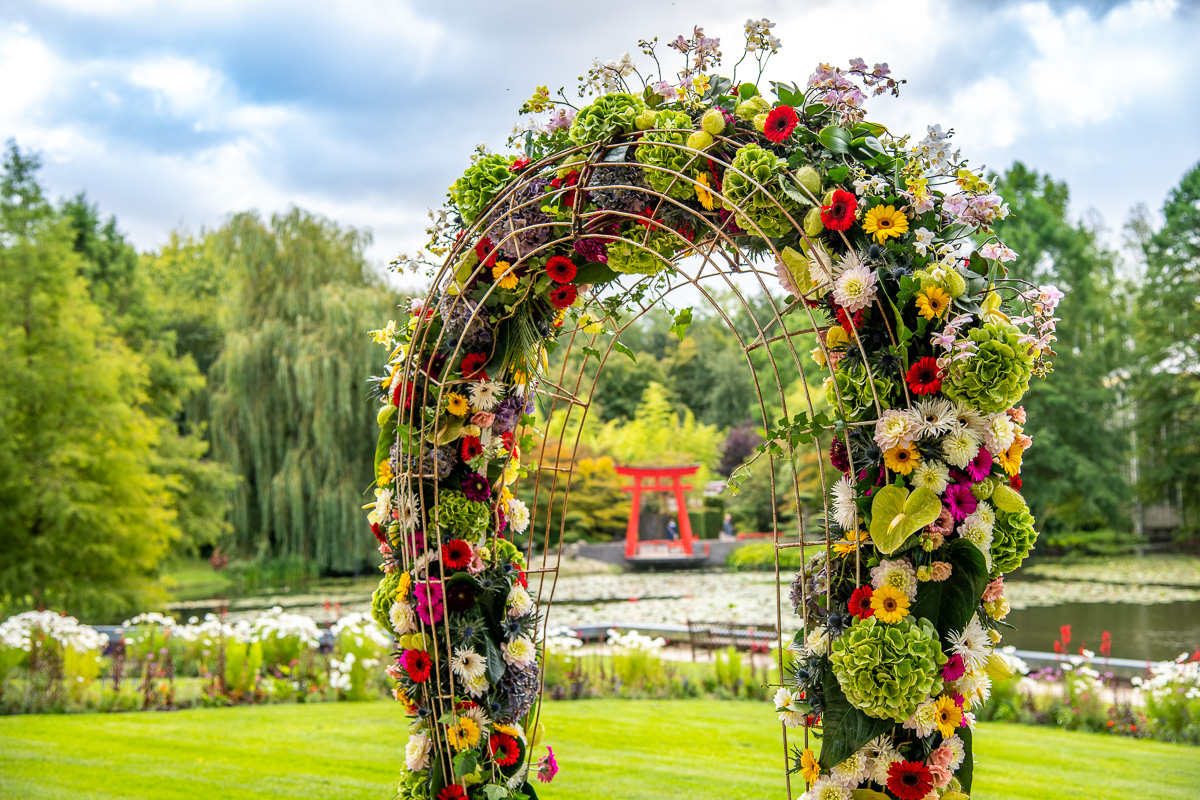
897	514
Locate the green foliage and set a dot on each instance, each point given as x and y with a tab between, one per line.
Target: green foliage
885	669
610	114
761	556
766	208
481	184
662	155
1012	538
996	375
288	412
1103	542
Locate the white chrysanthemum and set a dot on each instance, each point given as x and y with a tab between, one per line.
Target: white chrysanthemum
923	720
817	642
978	533
381	513
1000	434
784	698
881	754
932	475
895	429
519	602
985	513
477	686
934	415
520	652
416	752
406	511
955	745
826	788
851	772
960	447
820	267
421	563
518	515
854	289
898	574
970	419
485	395
975	685
467	664
848	260
402	617
845	512
972	643
475	713
791	717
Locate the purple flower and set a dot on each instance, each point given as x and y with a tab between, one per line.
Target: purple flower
838	455
508	413
592	250
961	501
429	601
981	467
476	487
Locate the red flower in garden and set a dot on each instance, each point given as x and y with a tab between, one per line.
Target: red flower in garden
839	214
403	390
378	531
780	123
471	447
560	269
518	165
568	197
521	579
456	554
909	780
505	751
473	364
1015	481
452	792
924	377
845	320
860	602
563	295
417	664
486	252
508	440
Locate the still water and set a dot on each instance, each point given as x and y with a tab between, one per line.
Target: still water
1157	632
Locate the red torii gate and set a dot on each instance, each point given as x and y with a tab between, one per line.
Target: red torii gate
657	475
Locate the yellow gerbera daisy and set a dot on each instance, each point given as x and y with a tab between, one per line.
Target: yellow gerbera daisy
885	221
1010	459
949	716
932	302
889	604
810	770
847	545
457	404
504	276
704	193
463	734
403	585
384	473
901	459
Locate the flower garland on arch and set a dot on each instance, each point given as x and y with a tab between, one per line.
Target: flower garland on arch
929	349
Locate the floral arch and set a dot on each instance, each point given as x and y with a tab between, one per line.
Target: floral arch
874	257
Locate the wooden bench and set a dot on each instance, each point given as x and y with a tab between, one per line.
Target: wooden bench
719	635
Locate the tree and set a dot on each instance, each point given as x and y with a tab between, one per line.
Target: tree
84	517
1075	473
1167	385
289	394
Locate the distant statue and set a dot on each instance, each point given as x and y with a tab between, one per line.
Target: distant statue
672	530
727	527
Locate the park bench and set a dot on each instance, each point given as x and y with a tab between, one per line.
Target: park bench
719	635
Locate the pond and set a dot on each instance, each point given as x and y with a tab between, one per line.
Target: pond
1159	631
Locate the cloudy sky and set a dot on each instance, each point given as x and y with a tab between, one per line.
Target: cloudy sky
175	113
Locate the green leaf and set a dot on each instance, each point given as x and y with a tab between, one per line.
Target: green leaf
966	772
793	190
747	90
949	604
594	272
788	94
835	138
1008	499
682	320
797	267
978	264
838	174
437	780
495	663
591	351
527	789
845	728
465	763
896	514
383	447
495	791
449	431
620	348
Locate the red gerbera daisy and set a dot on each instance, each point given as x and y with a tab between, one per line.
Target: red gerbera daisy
563	295
909	780
505	751
518	165
452	792
845	319
377	529
486	253
417	664
473	364
839	214
924	377
780	123
1015	481
860	602
508	440
471	447
560	269
521	579
456	554
403	391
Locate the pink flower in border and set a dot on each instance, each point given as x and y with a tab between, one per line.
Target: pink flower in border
548	767
994	590
981	466
429	602
954	669
962	503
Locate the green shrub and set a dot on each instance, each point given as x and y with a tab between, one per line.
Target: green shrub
761	556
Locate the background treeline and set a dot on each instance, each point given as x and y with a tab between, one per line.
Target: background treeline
213	394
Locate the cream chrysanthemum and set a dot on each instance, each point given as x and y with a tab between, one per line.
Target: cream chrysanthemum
923	720
817	642
518	515
851	772
520	652
467	664
932	475
827	789
519	602
934	415
845	512
1000	434
895	429
973	644
960	447
969	418
486	395
416	752
854	289
402	617
881	753
898	574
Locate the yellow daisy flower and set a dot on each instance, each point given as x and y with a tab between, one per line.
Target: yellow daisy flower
949	716
403	585
384	473
1010	459
504	276
901	459
463	734
704	192
810	770
932	302
846	546
457	404
889	604
883	222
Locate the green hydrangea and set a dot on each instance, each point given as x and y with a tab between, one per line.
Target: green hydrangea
887	670
625	256
983	490
853	389
676	126
383	598
480	184
1012	538
755	206
610	114
466	519
997	373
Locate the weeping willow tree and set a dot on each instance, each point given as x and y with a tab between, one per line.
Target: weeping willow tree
289	411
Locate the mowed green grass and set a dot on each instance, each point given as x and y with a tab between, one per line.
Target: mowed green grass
607	749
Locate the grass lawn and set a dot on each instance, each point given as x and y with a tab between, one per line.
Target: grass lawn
608	748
